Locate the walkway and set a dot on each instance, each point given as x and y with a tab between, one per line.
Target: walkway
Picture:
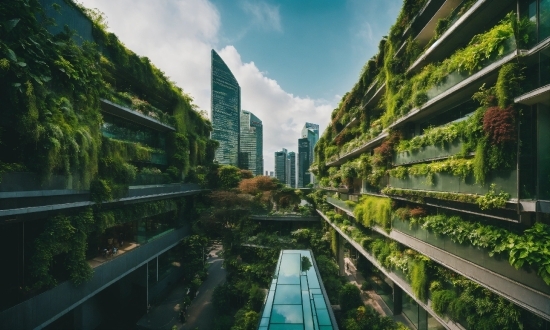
200	313
370	297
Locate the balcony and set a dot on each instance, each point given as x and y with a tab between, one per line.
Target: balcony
134	116
524	288
458	87
341	158
33	205
446	182
519	286
473	21
397	279
428	153
37	312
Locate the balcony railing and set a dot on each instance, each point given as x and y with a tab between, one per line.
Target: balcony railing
505	180
428	153
478	256
45	308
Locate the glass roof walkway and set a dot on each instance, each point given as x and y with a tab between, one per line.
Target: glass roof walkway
297	298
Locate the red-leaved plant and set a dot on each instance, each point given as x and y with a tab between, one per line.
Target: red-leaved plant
500	125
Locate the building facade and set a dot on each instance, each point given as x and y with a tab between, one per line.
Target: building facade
225	112
420	157
280	165
90	225
291	169
251	152
310	132
304	154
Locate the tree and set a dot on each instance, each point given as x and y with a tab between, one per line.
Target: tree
257	184
230	176
350	297
246	320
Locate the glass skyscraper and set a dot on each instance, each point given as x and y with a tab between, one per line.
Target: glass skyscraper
291	169
251	149
310	132
226	111
304	156
280	165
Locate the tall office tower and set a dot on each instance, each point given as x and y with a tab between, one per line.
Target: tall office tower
304	161
280	165
225	114
251	149
291	169
311	133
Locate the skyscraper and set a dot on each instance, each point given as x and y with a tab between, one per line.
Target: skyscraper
225	114
304	157
291	169
251	149
280	165
310	132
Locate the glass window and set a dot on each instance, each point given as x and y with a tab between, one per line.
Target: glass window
544	19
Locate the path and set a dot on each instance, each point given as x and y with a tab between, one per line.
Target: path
201	311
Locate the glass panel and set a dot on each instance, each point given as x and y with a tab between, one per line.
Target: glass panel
319	302
125	130
308	317
286	314
433	324
264	322
544	19
289	270
268	304
410	309
323	317
288	294
286	327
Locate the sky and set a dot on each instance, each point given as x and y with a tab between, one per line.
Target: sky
294	59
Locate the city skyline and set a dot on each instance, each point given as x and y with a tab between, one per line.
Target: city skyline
274	49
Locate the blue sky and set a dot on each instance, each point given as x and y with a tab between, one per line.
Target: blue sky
294	59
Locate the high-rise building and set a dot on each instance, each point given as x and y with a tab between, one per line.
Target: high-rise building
291	169
304	176
226	111
280	165
68	263
311	133
271	174
251	150
446	217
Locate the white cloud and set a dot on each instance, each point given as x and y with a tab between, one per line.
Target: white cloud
178	35
263	14
283	114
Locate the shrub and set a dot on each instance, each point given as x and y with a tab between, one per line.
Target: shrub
349	297
500	125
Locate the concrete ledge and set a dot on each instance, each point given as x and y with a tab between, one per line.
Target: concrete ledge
396	279
539	95
129	114
284	218
39	311
521	295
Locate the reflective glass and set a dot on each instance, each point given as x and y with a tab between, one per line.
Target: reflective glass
286	314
